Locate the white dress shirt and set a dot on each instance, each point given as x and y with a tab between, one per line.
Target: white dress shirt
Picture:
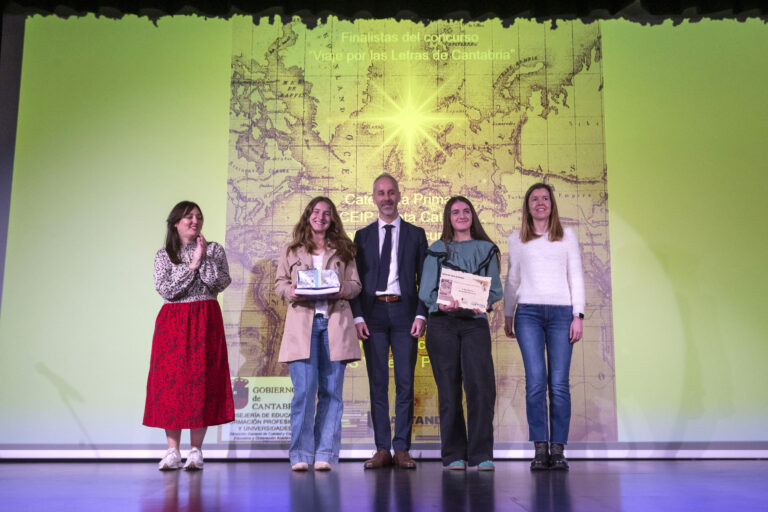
321	306
393	282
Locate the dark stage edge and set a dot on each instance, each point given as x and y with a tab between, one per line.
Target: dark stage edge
696	485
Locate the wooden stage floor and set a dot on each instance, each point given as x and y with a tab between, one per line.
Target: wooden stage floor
593	485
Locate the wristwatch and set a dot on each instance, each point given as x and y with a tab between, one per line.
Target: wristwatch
581	315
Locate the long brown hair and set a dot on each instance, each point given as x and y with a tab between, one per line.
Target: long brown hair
555	229
335	236
476	230
172	238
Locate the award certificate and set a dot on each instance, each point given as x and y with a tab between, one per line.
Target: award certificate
469	290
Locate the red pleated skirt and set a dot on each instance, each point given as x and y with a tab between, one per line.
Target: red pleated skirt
188	384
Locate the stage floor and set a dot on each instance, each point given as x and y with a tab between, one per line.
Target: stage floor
695	485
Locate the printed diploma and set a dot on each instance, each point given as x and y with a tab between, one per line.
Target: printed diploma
469	290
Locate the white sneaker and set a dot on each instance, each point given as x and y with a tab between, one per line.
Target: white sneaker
171	460
321	465
194	460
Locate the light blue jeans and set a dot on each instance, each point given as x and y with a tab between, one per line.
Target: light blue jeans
316	437
540	329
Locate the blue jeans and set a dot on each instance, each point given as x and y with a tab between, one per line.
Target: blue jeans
316	437
541	328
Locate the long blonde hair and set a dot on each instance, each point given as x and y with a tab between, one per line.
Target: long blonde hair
555	229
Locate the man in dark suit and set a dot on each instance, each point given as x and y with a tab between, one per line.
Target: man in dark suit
388	313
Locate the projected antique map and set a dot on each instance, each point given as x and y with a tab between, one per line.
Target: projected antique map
480	109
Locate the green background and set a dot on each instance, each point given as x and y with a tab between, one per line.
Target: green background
119	120
686	120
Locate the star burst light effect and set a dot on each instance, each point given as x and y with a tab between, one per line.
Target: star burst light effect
410	119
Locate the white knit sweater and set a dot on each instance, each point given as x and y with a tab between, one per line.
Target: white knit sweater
544	272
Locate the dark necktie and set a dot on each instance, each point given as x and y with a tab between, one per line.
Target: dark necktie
384	260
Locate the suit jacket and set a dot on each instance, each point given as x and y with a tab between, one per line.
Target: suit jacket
411	250
342	336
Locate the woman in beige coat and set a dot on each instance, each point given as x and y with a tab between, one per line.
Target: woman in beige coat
319	337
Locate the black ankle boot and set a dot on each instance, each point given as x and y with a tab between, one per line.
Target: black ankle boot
541	458
557	459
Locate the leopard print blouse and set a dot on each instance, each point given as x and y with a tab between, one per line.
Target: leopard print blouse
177	283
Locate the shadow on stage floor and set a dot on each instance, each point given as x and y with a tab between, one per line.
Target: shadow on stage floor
695	485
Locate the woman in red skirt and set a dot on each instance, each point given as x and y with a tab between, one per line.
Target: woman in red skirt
188	384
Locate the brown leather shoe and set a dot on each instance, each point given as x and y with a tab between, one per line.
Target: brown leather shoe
403	460
381	459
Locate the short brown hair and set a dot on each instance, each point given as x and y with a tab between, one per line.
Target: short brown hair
389	177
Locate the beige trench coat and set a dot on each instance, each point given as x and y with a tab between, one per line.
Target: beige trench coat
342	336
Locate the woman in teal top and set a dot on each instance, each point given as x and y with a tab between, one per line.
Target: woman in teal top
459	340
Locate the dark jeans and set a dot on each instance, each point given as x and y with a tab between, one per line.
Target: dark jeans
541	328
390	326
460	352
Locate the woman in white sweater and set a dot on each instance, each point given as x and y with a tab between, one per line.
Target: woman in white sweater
543	309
